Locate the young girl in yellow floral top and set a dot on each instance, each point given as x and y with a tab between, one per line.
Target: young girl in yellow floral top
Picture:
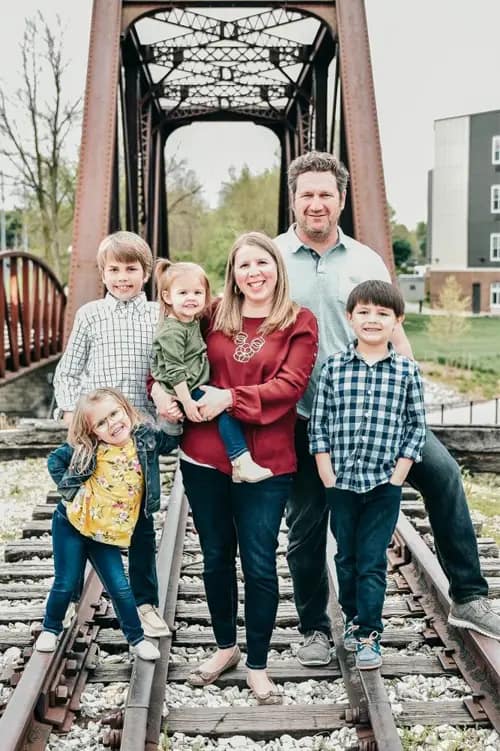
107	475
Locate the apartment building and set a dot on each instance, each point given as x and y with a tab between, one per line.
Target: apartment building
464	208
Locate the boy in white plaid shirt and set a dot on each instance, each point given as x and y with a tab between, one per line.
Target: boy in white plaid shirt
367	429
110	346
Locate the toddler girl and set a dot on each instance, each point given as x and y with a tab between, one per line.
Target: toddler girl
107	474
180	362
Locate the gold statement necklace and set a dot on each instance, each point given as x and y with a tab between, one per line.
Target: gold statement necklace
245	349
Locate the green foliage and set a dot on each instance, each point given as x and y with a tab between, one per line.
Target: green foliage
421	238
203	235
13	228
402	251
474	352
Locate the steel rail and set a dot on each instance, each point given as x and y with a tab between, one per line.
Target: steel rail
31	705
370	707
147	684
477	656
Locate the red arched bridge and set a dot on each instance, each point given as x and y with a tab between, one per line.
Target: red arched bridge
32	307
300	68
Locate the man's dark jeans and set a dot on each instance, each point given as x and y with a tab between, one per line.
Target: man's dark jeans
230	431
141	563
362	524
226	515
437	477
71	550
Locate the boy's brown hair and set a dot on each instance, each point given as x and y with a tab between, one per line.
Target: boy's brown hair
377	293
125	247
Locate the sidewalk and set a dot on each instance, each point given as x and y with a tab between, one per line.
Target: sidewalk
481	413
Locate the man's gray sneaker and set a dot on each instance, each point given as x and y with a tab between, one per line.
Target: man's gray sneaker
350	640
477	615
315	650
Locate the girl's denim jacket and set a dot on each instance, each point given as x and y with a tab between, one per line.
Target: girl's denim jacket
149	442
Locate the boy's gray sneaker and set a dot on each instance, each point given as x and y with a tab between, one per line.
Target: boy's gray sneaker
315	650
350	640
477	615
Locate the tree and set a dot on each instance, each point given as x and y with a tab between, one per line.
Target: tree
421	236
402	251
35	129
450	322
185	206
13	228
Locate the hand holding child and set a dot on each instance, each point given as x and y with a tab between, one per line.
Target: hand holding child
192	411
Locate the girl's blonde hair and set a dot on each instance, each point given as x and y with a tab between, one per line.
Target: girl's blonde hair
228	317
81	435
167	272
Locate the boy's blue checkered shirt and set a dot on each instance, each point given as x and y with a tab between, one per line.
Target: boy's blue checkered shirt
367	417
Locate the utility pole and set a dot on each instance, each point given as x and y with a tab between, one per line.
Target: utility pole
3	236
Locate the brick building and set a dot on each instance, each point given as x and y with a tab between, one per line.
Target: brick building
464	208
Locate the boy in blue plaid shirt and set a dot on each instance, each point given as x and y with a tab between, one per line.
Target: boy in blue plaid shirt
367	429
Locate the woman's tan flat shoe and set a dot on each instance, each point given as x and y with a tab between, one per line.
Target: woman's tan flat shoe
200	677
272	696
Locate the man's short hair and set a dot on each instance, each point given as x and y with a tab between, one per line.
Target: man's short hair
125	247
317	161
376	292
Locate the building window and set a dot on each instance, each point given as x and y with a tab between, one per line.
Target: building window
495	199
495	150
495	246
495	295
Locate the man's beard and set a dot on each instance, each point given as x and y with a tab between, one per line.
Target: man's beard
316	234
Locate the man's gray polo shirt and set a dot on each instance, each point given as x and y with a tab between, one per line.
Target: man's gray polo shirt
322	283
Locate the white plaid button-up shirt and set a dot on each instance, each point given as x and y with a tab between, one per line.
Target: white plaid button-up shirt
367	417
110	345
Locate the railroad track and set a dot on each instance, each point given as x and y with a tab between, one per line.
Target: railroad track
417	642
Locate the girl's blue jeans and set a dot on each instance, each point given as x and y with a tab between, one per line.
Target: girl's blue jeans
71	550
230	431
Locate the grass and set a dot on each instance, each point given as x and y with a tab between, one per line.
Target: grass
470	364
482	492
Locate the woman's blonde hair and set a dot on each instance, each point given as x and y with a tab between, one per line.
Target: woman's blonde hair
81	434
167	272
228	317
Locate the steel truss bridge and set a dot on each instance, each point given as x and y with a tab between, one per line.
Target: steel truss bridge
301	68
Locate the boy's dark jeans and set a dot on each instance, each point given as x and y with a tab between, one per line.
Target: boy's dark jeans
141	563
71	550
228	515
230	431
362	524
437	477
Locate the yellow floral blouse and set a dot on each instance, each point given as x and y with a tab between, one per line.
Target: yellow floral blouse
107	506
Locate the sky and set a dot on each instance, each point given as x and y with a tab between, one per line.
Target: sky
431	59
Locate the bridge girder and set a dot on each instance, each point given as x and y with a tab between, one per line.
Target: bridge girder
154	67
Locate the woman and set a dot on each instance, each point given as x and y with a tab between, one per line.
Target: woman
261	348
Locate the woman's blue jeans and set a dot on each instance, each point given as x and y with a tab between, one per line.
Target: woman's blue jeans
362	524
71	550
228	515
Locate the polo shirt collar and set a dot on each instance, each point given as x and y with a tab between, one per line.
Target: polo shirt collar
351	353
297	244
137	303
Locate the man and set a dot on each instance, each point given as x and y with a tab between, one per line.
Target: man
324	265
